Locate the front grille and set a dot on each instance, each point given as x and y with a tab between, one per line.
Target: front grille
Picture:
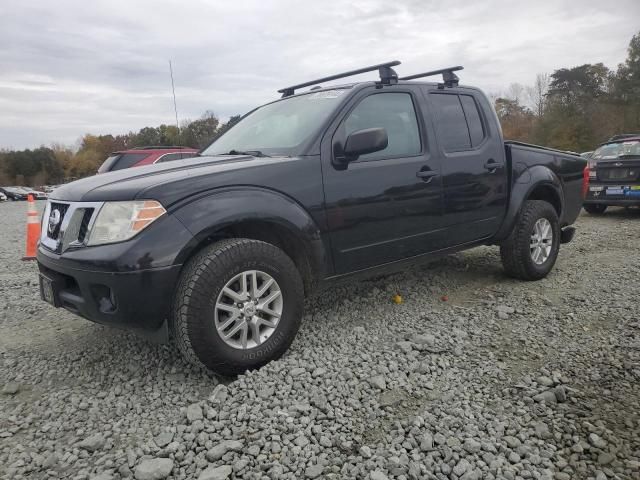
53	231
67	225
618	174
84	225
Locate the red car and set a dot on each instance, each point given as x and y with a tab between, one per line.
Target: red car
136	157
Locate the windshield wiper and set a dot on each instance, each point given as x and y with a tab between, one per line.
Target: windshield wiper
253	153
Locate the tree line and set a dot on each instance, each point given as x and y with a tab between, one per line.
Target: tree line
576	108
571	109
58	163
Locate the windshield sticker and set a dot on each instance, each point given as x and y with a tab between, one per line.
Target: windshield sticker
326	94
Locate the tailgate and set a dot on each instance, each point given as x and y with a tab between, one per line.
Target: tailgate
617	171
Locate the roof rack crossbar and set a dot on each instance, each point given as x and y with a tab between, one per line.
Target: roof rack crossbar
449	78
387	76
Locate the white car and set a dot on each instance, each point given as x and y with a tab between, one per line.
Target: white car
37	194
3	197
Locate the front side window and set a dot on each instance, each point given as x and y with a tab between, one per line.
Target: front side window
396	114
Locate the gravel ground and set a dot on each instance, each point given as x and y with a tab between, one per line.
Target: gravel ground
473	376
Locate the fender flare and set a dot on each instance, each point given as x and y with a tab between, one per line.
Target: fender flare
211	212
521	189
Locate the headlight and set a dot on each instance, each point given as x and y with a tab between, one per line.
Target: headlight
119	221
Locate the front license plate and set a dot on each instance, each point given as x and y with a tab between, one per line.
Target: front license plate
47	292
615	191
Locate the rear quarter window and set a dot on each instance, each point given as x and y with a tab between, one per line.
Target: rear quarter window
474	121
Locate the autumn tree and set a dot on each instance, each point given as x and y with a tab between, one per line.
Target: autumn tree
516	120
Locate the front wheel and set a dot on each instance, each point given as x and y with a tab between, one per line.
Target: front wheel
531	249
238	306
595	208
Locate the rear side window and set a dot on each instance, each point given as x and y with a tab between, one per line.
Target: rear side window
120	161
474	122
169	157
395	113
452	125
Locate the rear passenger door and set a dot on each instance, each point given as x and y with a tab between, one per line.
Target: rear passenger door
474	174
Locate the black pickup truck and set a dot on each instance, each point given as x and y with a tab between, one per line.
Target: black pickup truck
218	252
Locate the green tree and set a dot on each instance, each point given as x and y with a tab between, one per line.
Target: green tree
578	87
199	133
627	87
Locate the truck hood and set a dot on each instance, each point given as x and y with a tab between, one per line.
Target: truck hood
169	182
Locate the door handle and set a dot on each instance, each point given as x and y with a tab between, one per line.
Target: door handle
492	165
426	175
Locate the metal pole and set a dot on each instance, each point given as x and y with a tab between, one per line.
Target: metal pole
173	88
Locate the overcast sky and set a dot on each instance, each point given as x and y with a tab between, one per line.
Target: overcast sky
73	67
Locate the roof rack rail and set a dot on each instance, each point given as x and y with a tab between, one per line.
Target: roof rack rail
156	147
387	77
449	78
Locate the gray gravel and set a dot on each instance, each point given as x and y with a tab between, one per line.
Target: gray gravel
502	380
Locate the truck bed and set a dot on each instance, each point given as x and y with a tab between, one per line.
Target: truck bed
567	173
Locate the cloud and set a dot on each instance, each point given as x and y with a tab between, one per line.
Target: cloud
71	67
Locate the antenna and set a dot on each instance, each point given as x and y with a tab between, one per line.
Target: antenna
173	88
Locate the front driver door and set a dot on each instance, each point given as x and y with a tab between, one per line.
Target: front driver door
386	205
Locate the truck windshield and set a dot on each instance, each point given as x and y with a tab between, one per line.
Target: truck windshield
279	128
616	150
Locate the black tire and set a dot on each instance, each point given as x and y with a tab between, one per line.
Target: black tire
201	281
595	208
515	251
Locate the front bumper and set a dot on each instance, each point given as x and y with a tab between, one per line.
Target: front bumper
129	284
138	300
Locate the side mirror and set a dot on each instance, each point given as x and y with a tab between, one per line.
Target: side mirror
365	141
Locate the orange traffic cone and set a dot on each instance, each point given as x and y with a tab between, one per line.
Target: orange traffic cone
33	230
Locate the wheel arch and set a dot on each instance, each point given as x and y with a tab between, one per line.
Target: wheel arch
542	184
257	214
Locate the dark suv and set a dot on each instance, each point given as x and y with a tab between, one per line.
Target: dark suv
139	156
614	174
220	251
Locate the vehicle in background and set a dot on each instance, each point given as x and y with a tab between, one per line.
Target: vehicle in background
139	156
3	197
14	193
623	136
304	191
614	174
586	154
37	194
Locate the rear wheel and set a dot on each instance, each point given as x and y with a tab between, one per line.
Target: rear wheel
595	208
238	306
531	249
